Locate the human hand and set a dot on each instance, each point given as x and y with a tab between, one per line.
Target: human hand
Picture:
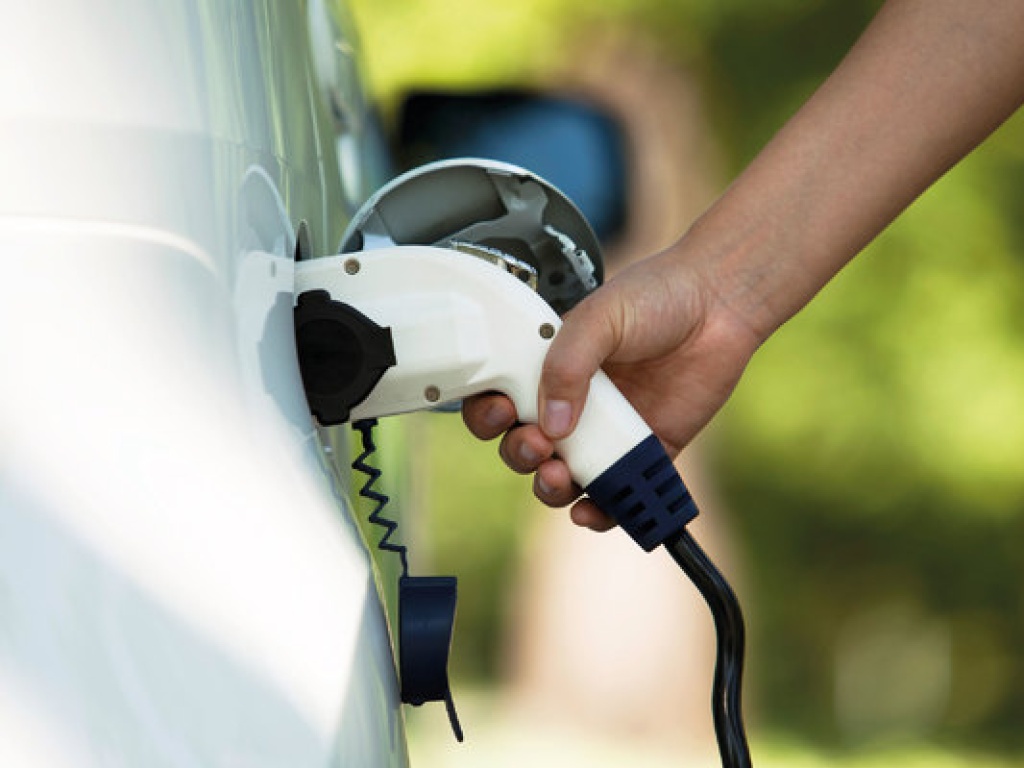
665	339
924	84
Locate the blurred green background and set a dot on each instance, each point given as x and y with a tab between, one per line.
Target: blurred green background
872	459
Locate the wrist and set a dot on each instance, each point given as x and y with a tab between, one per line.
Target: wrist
734	298
754	274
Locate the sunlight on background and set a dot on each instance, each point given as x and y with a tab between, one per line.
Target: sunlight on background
868	469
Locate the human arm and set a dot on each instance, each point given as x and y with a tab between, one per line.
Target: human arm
926	82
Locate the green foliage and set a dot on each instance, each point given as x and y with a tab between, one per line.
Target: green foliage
456	43
874	453
906	370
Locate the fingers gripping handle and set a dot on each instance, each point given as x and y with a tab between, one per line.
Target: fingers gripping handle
613	455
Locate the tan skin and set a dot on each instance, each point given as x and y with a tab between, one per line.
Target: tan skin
927	81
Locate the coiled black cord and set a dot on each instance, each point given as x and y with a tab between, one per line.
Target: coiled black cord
380	500
726	695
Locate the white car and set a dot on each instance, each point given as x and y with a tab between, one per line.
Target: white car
182	581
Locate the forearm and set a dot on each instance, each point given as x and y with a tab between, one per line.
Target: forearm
927	81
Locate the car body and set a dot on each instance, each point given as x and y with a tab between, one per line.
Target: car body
182	578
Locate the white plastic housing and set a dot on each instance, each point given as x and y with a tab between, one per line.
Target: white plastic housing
462	326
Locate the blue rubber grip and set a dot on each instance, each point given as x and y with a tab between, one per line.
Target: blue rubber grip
645	495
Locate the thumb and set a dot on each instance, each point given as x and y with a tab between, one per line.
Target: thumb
588	336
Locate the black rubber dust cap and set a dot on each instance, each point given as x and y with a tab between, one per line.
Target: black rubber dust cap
426	617
342	355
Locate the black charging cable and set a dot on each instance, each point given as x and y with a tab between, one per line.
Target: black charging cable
645	495
726	695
